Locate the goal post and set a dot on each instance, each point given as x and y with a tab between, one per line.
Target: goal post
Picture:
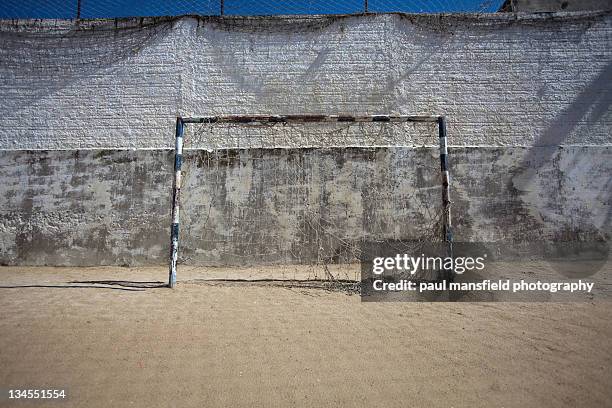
238	120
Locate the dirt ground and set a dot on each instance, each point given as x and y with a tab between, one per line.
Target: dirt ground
209	344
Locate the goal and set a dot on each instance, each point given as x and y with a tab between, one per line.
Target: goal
360	155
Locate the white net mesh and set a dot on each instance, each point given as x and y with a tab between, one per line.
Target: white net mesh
311	134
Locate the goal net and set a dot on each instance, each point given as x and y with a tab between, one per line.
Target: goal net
306	196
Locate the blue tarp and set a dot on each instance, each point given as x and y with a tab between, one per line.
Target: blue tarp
151	8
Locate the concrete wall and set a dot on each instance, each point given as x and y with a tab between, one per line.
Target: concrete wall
283	205
527	99
500	81
537	6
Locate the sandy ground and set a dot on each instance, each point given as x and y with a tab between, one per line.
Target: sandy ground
244	344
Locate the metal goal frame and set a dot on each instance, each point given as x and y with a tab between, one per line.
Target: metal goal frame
273	119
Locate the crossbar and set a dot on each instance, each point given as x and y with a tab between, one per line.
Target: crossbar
272	119
246	119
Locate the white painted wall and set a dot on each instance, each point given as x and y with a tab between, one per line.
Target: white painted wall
532	81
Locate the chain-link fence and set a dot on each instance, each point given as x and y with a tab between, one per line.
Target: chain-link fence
91	9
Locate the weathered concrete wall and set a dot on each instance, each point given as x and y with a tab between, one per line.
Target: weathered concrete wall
281	205
527	99
536	6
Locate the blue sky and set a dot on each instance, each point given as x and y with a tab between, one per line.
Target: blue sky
143	8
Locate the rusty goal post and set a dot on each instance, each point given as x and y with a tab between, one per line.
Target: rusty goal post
181	122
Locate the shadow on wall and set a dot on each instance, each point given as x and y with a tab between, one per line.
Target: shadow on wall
596	98
588	107
51	58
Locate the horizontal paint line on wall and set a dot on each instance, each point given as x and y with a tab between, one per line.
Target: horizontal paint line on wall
433	146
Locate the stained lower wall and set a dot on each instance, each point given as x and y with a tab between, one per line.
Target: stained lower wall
250	206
